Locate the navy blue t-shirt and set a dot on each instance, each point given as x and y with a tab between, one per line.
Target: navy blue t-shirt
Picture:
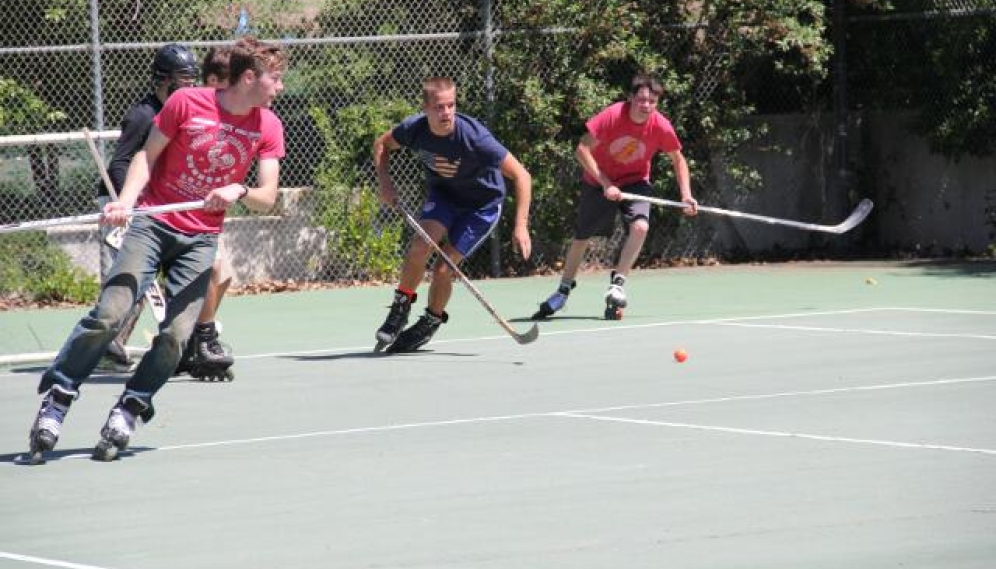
463	166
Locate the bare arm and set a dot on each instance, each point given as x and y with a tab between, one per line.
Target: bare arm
263	197
139	172
512	169
583	153
684	181
382	148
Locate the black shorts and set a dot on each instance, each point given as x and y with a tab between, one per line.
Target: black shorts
597	215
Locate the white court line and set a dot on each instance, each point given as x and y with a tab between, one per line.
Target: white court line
42	357
578	412
48	562
809	393
859	331
826	438
942	310
607	328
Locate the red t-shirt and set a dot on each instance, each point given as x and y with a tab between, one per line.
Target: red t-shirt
625	148
209	148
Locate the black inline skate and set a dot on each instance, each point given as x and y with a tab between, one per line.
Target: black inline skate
205	358
396	320
419	333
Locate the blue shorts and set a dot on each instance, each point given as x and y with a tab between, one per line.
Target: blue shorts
467	228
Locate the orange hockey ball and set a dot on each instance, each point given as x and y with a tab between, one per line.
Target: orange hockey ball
680	356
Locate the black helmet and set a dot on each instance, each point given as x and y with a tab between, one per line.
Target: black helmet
173	59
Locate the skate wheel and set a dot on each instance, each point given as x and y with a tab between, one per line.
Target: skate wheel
36	457
613	313
105	451
379	346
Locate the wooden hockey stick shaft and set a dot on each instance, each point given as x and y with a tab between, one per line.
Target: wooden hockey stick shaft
524	338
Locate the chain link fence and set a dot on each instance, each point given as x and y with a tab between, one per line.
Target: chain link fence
356	69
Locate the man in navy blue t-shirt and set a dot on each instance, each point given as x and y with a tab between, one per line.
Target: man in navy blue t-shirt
465	169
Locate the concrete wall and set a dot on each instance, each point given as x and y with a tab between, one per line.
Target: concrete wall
793	163
924	202
261	248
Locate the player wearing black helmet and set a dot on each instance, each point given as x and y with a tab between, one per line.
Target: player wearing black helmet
173	66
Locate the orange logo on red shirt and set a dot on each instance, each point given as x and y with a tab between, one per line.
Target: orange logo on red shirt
627	149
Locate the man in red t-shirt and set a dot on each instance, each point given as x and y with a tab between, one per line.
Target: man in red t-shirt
200	147
615	154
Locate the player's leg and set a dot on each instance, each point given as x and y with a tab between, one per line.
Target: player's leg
636	217
412	272
466	231
408	339
205	357
595	217
556	301
116	358
186	279
134	266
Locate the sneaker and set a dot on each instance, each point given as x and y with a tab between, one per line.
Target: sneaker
419	333
555	302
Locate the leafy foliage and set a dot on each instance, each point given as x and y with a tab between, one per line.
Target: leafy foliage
33	267
707	55
357	229
23	112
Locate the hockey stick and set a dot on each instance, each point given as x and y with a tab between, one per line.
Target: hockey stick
153	294
857	216
529	336
95	217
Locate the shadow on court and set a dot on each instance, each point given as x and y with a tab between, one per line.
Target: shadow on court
554	319
375	356
21	458
955	268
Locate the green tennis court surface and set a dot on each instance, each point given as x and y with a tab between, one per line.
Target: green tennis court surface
819	422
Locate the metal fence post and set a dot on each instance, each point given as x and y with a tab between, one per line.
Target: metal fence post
840	182
98	85
489	98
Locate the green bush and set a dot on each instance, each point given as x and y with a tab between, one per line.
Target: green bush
359	232
33	268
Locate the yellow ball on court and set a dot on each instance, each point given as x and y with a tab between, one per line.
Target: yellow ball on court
871	281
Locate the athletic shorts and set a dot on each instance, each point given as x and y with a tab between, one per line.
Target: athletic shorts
467	228
597	215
